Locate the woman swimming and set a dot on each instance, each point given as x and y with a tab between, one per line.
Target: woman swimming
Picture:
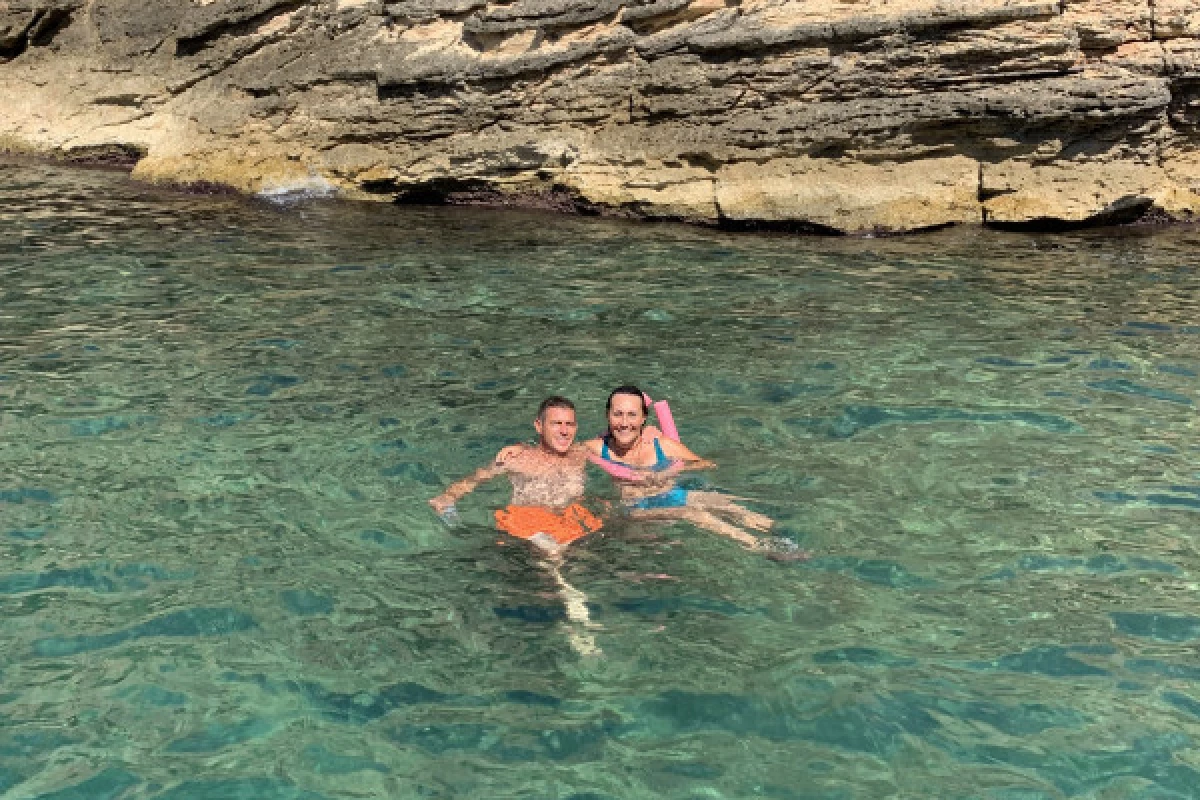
654	492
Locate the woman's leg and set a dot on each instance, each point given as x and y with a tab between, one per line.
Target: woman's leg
775	547
701	518
723	504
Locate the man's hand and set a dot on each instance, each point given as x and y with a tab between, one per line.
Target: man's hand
509	453
441	503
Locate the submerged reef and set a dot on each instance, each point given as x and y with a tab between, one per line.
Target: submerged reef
836	116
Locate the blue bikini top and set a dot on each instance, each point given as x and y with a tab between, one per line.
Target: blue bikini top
661	461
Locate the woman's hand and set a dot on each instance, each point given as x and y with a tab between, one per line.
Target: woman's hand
683	457
662	480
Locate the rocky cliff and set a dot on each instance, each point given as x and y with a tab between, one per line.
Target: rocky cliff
825	115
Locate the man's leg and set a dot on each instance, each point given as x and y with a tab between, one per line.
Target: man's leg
575	602
548	545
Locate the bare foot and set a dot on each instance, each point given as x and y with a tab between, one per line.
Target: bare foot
799	555
778	548
583	643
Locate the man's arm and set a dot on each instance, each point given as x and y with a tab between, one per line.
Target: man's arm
459	489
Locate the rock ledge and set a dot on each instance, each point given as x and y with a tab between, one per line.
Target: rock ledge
840	116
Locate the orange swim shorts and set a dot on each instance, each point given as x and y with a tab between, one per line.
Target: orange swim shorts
565	526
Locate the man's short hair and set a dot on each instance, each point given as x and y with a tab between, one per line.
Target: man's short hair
554	401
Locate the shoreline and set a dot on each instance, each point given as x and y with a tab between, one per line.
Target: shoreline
867	119
565	204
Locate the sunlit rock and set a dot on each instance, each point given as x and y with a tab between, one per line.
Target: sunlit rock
867	116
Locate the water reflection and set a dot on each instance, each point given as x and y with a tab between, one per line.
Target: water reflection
222	420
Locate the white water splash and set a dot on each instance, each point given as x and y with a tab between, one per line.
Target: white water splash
310	188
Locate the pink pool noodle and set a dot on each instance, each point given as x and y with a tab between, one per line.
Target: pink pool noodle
618	471
666	422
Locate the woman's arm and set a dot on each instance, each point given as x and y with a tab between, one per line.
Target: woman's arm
594	448
679	452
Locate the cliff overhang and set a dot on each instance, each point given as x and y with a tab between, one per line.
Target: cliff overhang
831	116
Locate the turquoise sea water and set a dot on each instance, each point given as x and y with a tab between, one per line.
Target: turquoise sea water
222	419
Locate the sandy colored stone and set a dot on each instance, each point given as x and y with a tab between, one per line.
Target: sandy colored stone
1080	192
654	191
251	173
854	116
1183	170
850	196
1176	18
1105	24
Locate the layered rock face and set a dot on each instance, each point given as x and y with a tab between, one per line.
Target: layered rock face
825	115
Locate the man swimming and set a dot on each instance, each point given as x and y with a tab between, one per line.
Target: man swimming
547	483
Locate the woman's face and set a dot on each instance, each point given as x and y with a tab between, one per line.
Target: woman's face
626	418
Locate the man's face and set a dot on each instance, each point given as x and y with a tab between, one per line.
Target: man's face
557	429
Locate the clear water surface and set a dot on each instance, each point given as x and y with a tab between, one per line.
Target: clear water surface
219	578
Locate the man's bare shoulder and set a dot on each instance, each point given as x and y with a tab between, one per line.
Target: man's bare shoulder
512	455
